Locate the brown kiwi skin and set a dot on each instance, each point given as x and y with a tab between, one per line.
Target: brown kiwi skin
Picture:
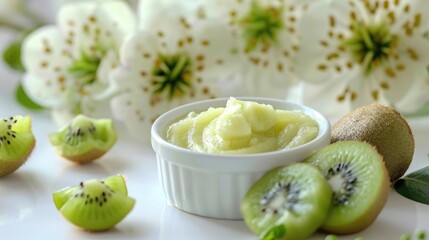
88	157
384	128
367	219
8	167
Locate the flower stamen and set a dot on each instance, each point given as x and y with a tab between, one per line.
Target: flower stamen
261	25
371	45
84	69
172	74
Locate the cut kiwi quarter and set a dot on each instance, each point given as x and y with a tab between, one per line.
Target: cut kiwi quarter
84	139
288	202
95	205
16	143
116	183
359	181
384	128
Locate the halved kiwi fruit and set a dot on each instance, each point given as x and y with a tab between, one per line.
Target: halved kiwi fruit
16	143
95	205
384	128
84	139
287	203
359	182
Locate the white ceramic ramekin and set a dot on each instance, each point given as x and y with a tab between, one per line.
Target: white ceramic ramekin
213	185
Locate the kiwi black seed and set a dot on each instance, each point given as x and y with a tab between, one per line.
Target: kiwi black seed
88	205
16	143
292	200
84	139
384	128
360	184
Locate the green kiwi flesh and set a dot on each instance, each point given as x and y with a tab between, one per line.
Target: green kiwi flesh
84	139
294	198
116	183
384	128
16	143
94	205
359	182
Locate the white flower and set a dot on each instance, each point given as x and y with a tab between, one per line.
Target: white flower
171	62
267	35
365	51
68	64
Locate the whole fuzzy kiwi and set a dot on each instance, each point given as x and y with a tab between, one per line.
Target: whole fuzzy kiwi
384	128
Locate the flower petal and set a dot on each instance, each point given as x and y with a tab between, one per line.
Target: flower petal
136	111
213	48
276	64
95	108
147	8
170	29
140	51
138	56
100	89
90	26
62	115
405	15
410	65
362	90
319	57
117	18
46	59
78	23
224	10
324	98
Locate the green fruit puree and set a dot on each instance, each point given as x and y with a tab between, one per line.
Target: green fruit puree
243	127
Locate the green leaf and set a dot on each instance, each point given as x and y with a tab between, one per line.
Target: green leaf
23	99
274	233
421	235
415	186
12	55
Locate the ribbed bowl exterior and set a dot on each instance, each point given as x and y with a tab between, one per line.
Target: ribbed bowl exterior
213	185
205	193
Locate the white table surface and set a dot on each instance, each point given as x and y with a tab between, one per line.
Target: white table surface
27	210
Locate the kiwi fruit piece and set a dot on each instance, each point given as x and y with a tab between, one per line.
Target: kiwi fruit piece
95	205
116	183
384	128
84	139
288	202
360	184
16	143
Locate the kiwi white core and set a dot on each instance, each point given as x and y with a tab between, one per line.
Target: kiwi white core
280	198
342	179
277	202
336	182
94	186
82	122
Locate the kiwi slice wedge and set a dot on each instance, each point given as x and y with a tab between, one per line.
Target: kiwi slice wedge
359	181
16	143
95	205
384	128
116	183
84	139
287	202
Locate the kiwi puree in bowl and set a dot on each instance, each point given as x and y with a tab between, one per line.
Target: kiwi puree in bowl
243	127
